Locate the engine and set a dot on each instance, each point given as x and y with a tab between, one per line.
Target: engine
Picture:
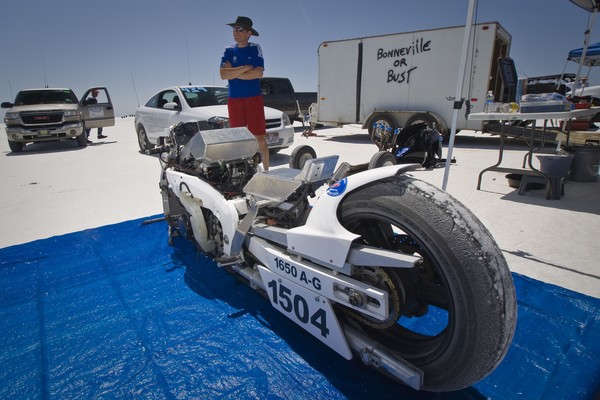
225	158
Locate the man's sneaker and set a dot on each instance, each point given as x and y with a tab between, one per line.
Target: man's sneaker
102	136
89	141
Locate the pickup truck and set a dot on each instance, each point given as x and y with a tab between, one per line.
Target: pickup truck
279	93
49	114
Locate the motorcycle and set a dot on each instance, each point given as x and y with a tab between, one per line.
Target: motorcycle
415	143
372	262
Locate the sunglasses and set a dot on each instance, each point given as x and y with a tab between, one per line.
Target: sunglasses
239	29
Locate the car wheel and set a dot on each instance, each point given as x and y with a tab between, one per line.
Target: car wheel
143	141
16	147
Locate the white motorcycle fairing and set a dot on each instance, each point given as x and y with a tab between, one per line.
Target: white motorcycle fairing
323	239
209	198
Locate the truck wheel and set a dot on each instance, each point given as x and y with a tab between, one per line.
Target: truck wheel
301	155
429	119
382	159
16	147
143	141
383	119
82	139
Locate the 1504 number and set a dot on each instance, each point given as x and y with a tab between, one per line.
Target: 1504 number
298	305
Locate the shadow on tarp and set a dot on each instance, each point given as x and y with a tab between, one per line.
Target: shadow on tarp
115	312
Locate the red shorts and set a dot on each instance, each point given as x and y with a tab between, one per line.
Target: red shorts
248	112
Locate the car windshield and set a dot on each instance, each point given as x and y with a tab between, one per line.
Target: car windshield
29	97
199	96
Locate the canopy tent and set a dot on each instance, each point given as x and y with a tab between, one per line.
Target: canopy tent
591	6
591	58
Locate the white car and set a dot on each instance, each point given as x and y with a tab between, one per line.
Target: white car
200	103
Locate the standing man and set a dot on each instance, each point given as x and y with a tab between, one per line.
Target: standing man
242	65
94	100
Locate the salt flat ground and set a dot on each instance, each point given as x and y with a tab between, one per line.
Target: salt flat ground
55	188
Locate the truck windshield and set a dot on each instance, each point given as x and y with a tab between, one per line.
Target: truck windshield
29	97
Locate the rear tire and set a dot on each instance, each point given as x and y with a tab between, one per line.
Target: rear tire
457	307
429	119
301	155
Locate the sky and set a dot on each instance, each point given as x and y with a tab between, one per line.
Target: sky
138	47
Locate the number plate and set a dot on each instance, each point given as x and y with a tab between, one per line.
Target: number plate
43	132
308	309
272	138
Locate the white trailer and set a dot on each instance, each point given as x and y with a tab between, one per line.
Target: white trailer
404	78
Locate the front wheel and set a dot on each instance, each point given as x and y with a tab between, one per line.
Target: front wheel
301	155
382	159
82	140
143	141
453	315
384	120
16	147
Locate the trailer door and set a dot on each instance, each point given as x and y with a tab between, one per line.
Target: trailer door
338	76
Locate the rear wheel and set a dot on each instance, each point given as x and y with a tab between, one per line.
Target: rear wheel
428	119
143	141
453	315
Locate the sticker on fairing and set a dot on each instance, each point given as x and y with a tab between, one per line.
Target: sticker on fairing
338	188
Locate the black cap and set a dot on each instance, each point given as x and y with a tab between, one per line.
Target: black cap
244	22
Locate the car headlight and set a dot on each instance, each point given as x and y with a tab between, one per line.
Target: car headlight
286	119
219	122
72	113
11	117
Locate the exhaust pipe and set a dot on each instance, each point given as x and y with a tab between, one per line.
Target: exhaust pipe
378	357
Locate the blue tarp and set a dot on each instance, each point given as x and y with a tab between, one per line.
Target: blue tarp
114	312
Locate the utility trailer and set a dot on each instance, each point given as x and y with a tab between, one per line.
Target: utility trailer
401	79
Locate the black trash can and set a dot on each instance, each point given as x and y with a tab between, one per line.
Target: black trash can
585	163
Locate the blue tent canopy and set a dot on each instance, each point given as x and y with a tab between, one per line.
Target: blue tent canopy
592	55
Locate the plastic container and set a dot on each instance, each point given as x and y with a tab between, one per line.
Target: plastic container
585	163
489	102
555	165
514	181
545	106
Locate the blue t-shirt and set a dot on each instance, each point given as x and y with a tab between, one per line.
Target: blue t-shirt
237	57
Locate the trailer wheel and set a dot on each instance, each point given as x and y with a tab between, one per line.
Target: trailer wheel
382	159
429	119
386	120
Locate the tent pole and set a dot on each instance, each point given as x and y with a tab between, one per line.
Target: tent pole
459	86
586	40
